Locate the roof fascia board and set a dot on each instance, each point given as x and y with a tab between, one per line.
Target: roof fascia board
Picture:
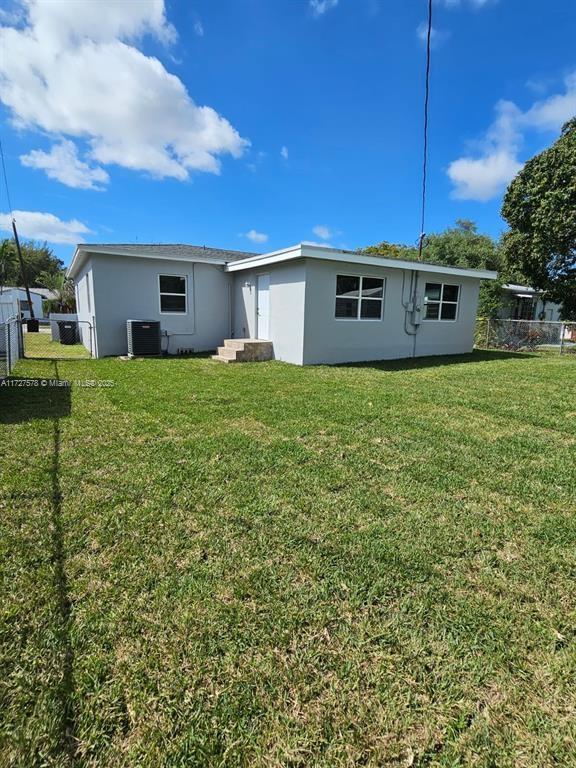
95	252
328	254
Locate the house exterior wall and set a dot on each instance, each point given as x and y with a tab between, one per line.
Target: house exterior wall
126	288
84	291
10	299
287	312
541	310
331	340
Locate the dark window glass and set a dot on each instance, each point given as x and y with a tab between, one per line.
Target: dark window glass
172	284
25	306
448	312
450	293
432	311
372	287
371	308
433	291
346	307
347	285
172	303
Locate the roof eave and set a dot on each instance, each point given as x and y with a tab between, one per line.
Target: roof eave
85	251
333	254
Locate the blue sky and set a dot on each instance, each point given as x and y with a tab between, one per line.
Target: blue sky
255	124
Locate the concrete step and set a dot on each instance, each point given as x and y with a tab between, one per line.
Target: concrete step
250	350
234	343
228	352
222	359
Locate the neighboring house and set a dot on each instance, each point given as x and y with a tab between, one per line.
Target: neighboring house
315	304
519	302
14	302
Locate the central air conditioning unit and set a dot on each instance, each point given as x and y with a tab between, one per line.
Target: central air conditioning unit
143	337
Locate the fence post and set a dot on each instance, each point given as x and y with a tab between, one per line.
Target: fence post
562	327
7	329
487	332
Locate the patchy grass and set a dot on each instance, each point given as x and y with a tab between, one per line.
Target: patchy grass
265	565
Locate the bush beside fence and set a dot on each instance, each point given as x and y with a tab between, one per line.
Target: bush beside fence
525	335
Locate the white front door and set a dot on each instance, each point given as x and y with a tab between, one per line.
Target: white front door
263	307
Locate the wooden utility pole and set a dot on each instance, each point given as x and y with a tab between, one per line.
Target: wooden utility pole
23	270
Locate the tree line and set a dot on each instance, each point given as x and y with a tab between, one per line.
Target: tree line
43	270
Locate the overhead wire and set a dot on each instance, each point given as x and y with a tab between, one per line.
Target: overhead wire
425	143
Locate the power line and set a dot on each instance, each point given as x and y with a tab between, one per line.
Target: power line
425	152
6	180
17	242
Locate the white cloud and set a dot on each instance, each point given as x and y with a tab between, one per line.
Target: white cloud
315	242
63	164
436	36
256	237
76	75
322	231
199	28
473	3
551	113
45	226
319	7
284	153
487	175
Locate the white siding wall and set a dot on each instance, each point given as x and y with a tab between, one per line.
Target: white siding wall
287	292
328	340
127	288
9	303
84	288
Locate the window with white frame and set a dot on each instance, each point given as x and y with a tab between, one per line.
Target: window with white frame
172	293
359	297
441	301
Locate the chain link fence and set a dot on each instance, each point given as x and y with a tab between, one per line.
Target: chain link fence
58	339
10	345
526	335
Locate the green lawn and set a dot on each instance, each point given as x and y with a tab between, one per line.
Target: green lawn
40	345
266	565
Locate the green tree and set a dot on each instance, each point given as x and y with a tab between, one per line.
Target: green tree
63	289
540	208
458	246
8	259
391	251
38	258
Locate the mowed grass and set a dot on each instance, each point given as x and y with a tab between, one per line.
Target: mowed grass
266	565
40	345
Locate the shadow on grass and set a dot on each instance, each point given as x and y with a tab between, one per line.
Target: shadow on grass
437	361
68	740
25	399
22	400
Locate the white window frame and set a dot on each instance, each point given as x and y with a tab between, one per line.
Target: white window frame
360	298
167	293
441	302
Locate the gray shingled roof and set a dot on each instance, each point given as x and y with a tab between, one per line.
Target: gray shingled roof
167	250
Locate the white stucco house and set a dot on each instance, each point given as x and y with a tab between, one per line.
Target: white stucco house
14	302
520	302
314	304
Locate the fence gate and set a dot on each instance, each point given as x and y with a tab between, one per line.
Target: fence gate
57	339
527	335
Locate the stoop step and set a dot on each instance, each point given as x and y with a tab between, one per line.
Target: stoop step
244	351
